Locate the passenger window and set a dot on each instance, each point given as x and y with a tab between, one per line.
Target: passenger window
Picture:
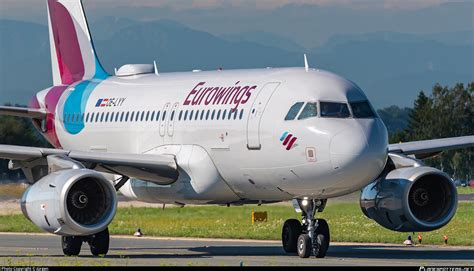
218	115
117	117
241	114
97	117
334	110
126	116
213	113
133	115
294	110
82	117
107	117
186	115
180	115
142	116
197	115
112	117
309	111
191	115
172	115
147	115
224	114
158	116
164	116
152	116
87	117
235	114
92	117
230	114
207	114
362	110
121	116
202	114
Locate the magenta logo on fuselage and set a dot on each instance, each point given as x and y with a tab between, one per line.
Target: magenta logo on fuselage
235	95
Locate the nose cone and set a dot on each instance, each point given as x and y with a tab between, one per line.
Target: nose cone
346	146
359	151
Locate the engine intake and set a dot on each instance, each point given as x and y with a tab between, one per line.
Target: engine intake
71	202
411	199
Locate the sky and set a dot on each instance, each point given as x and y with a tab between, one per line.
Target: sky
261	4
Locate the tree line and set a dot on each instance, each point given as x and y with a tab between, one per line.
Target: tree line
447	112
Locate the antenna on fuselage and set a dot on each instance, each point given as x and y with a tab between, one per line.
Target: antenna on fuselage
306	65
156	68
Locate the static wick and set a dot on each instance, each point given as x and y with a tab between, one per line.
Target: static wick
156	68
306	65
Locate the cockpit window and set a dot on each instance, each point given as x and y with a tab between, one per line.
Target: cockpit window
309	111
362	110
334	110
294	111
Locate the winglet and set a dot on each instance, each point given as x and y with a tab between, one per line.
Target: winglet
306	65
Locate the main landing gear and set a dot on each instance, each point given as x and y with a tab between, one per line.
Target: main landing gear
309	237
98	243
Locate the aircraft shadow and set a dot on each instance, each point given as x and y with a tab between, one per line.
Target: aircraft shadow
345	251
399	253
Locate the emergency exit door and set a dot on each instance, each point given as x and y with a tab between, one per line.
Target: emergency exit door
256	113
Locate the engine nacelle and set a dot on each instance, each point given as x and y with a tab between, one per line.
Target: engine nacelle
411	199
72	202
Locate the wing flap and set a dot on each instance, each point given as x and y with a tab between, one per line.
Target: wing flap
161	169
427	147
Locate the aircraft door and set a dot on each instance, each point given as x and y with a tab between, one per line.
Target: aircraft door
163	118
172	119
256	113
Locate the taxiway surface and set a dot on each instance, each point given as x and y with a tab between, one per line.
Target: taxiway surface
45	250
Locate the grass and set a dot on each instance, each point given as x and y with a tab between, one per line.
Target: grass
466	190
11	191
346	221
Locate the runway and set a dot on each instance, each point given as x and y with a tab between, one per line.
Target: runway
45	250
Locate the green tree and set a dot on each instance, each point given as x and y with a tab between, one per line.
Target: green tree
448	112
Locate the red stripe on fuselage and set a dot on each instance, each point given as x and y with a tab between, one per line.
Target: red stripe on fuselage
292	141
287	139
51	103
68	51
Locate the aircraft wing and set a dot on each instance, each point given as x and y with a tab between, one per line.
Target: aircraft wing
161	169
428	148
23	112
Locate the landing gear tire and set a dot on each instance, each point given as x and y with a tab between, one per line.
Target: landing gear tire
322	239
289	235
304	246
99	243
71	245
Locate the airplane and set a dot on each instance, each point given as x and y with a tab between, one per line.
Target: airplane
224	137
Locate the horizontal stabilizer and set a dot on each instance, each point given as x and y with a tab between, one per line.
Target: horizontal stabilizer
23	112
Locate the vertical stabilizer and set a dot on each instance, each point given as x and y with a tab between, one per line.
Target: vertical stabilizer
73	55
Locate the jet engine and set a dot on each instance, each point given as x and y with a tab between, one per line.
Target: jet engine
410	199
72	202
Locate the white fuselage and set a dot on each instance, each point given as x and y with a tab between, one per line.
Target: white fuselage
228	155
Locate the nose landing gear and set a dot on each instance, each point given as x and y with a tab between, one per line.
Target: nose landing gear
309	237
